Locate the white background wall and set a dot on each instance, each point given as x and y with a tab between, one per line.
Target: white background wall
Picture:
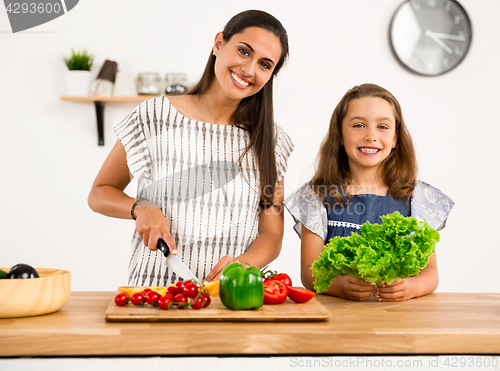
50	155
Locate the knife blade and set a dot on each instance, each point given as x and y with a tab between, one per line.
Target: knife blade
176	264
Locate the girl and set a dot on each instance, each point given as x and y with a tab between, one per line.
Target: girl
366	168
209	164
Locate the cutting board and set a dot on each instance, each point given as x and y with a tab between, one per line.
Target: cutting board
313	310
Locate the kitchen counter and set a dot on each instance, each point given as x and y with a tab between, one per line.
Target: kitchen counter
440	323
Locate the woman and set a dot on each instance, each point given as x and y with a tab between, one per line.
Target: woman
209	164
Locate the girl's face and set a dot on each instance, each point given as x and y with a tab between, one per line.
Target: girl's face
368	132
246	62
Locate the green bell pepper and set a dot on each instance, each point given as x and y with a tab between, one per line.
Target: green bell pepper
241	288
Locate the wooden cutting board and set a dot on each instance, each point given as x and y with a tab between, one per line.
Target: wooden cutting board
313	310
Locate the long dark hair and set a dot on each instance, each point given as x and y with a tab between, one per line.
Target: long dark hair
254	114
399	169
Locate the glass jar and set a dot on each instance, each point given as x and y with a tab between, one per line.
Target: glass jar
176	83
148	83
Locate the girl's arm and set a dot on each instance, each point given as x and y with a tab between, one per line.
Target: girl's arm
422	284
107	197
267	246
344	286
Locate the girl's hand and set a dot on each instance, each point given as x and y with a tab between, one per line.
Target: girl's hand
399	290
356	288
217	269
151	225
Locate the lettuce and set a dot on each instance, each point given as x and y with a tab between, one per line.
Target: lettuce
398	248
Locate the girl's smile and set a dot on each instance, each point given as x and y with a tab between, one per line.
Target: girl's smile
368	132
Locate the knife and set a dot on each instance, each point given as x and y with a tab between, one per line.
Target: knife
176	264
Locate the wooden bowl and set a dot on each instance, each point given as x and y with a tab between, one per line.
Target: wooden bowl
34	296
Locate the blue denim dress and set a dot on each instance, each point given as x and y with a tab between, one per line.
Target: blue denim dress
342	221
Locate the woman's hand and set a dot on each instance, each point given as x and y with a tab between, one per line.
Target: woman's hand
217	269
356	288
151	225
399	290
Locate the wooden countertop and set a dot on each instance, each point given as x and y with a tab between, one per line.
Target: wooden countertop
440	323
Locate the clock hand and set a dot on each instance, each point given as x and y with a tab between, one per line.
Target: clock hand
447	36
439	42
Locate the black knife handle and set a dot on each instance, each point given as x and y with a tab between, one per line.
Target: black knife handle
163	247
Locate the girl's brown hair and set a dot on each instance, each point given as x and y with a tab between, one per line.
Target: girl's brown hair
254	114
399	169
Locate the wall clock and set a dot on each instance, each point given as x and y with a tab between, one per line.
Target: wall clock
430	37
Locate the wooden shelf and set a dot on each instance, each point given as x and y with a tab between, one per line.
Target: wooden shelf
99	106
97	98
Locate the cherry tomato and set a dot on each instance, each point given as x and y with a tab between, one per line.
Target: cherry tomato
196	303
275	292
121	299
152	297
300	294
181	299
172	290
164	301
206	300
180	286
138	298
283	277
145	291
190	290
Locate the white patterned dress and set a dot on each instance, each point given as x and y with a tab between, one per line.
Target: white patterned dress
191	170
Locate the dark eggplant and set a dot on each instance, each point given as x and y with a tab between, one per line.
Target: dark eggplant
22	271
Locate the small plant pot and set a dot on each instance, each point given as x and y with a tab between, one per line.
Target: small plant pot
78	83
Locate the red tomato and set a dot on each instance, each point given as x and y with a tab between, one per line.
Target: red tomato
190	290
164	301
196	303
145	291
121	299
152	297
283	277
181	299
172	290
275	292
206	300
300	294
138	298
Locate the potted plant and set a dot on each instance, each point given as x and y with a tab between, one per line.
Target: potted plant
78	78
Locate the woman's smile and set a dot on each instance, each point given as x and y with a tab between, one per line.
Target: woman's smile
239	80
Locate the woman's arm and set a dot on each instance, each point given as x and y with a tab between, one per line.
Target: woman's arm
344	286
267	246
107	197
422	284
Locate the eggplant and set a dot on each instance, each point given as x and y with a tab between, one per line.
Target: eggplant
22	271
3	274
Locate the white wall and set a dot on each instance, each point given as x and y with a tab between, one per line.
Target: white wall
50	154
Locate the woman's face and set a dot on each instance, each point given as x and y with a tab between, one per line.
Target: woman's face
368	132
246	62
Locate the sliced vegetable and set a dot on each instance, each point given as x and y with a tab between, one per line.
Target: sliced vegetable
275	292
212	287
241	288
300	294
